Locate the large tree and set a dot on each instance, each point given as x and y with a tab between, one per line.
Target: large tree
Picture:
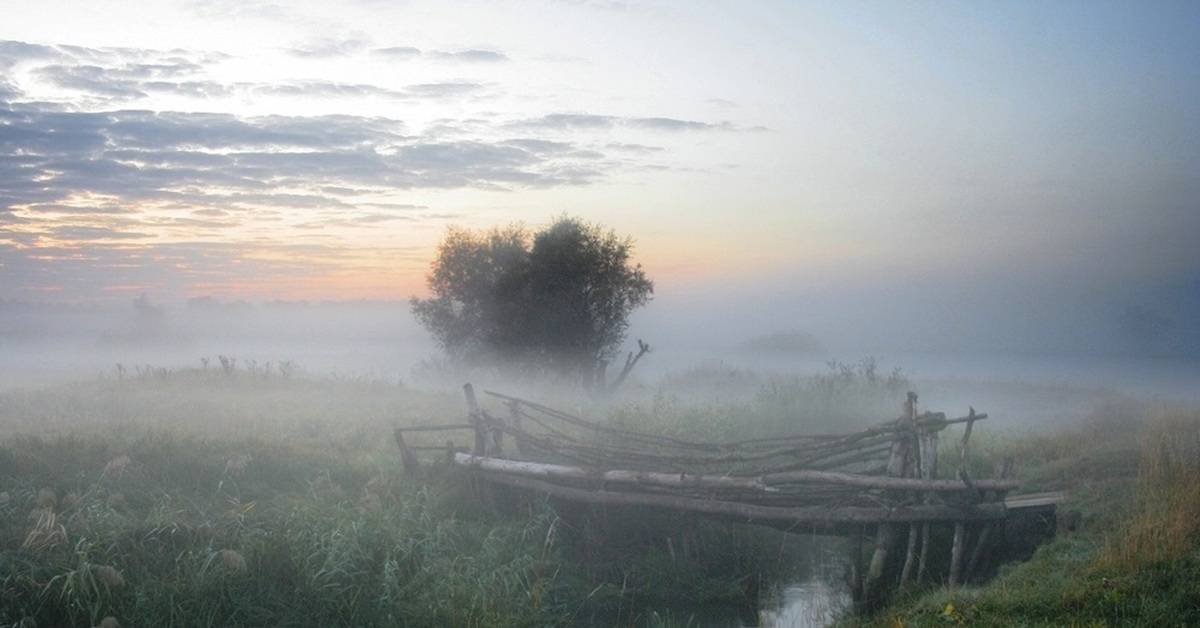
557	300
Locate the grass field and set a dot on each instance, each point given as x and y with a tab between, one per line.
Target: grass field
1131	469
251	496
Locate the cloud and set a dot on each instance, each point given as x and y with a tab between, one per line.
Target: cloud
638	149
91	161
73	232
566	122
324	89
577	121
14	52
671	124
398	52
91	79
51	156
78	75
326	48
9	91
406	53
471	56
449	89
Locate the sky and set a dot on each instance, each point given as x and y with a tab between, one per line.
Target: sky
1025	172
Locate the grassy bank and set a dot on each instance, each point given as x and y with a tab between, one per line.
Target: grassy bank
201	498
1132	471
248	496
213	496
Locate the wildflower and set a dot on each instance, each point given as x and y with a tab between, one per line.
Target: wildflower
233	561
47	499
236	466
109	575
116	466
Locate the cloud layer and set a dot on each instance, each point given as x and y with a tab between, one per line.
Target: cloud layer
92	183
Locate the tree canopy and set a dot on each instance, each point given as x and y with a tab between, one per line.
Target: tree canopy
557	300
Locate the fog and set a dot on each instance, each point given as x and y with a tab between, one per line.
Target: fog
957	350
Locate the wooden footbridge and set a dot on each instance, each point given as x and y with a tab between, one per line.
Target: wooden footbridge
878	483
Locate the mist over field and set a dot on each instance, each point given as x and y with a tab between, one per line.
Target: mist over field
251	252
958	348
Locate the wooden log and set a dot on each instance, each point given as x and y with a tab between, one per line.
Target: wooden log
476	420
962	458
886	533
616	476
768	483
820	515
881	482
494	441
977	553
956	551
856	548
922	561
752	446
514	414
1004	469
910	555
407	458
885	537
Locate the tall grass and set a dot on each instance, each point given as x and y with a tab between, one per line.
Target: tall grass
1132	469
226	498
149	548
1164	524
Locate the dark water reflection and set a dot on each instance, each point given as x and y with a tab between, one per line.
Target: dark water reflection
812	594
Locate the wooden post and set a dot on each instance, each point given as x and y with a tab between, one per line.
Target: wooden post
856	579
909	555
450	452
886	533
977	553
514	413
407	458
956	551
1004	470
476	420
927	446
963	474
960	528
495	442
921	563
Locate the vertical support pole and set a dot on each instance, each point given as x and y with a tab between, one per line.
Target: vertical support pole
962	457
886	533
921	562
927	445
977	553
960	528
476	419
411	467
856	579
909	555
885	537
1004	470
956	551
514	413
